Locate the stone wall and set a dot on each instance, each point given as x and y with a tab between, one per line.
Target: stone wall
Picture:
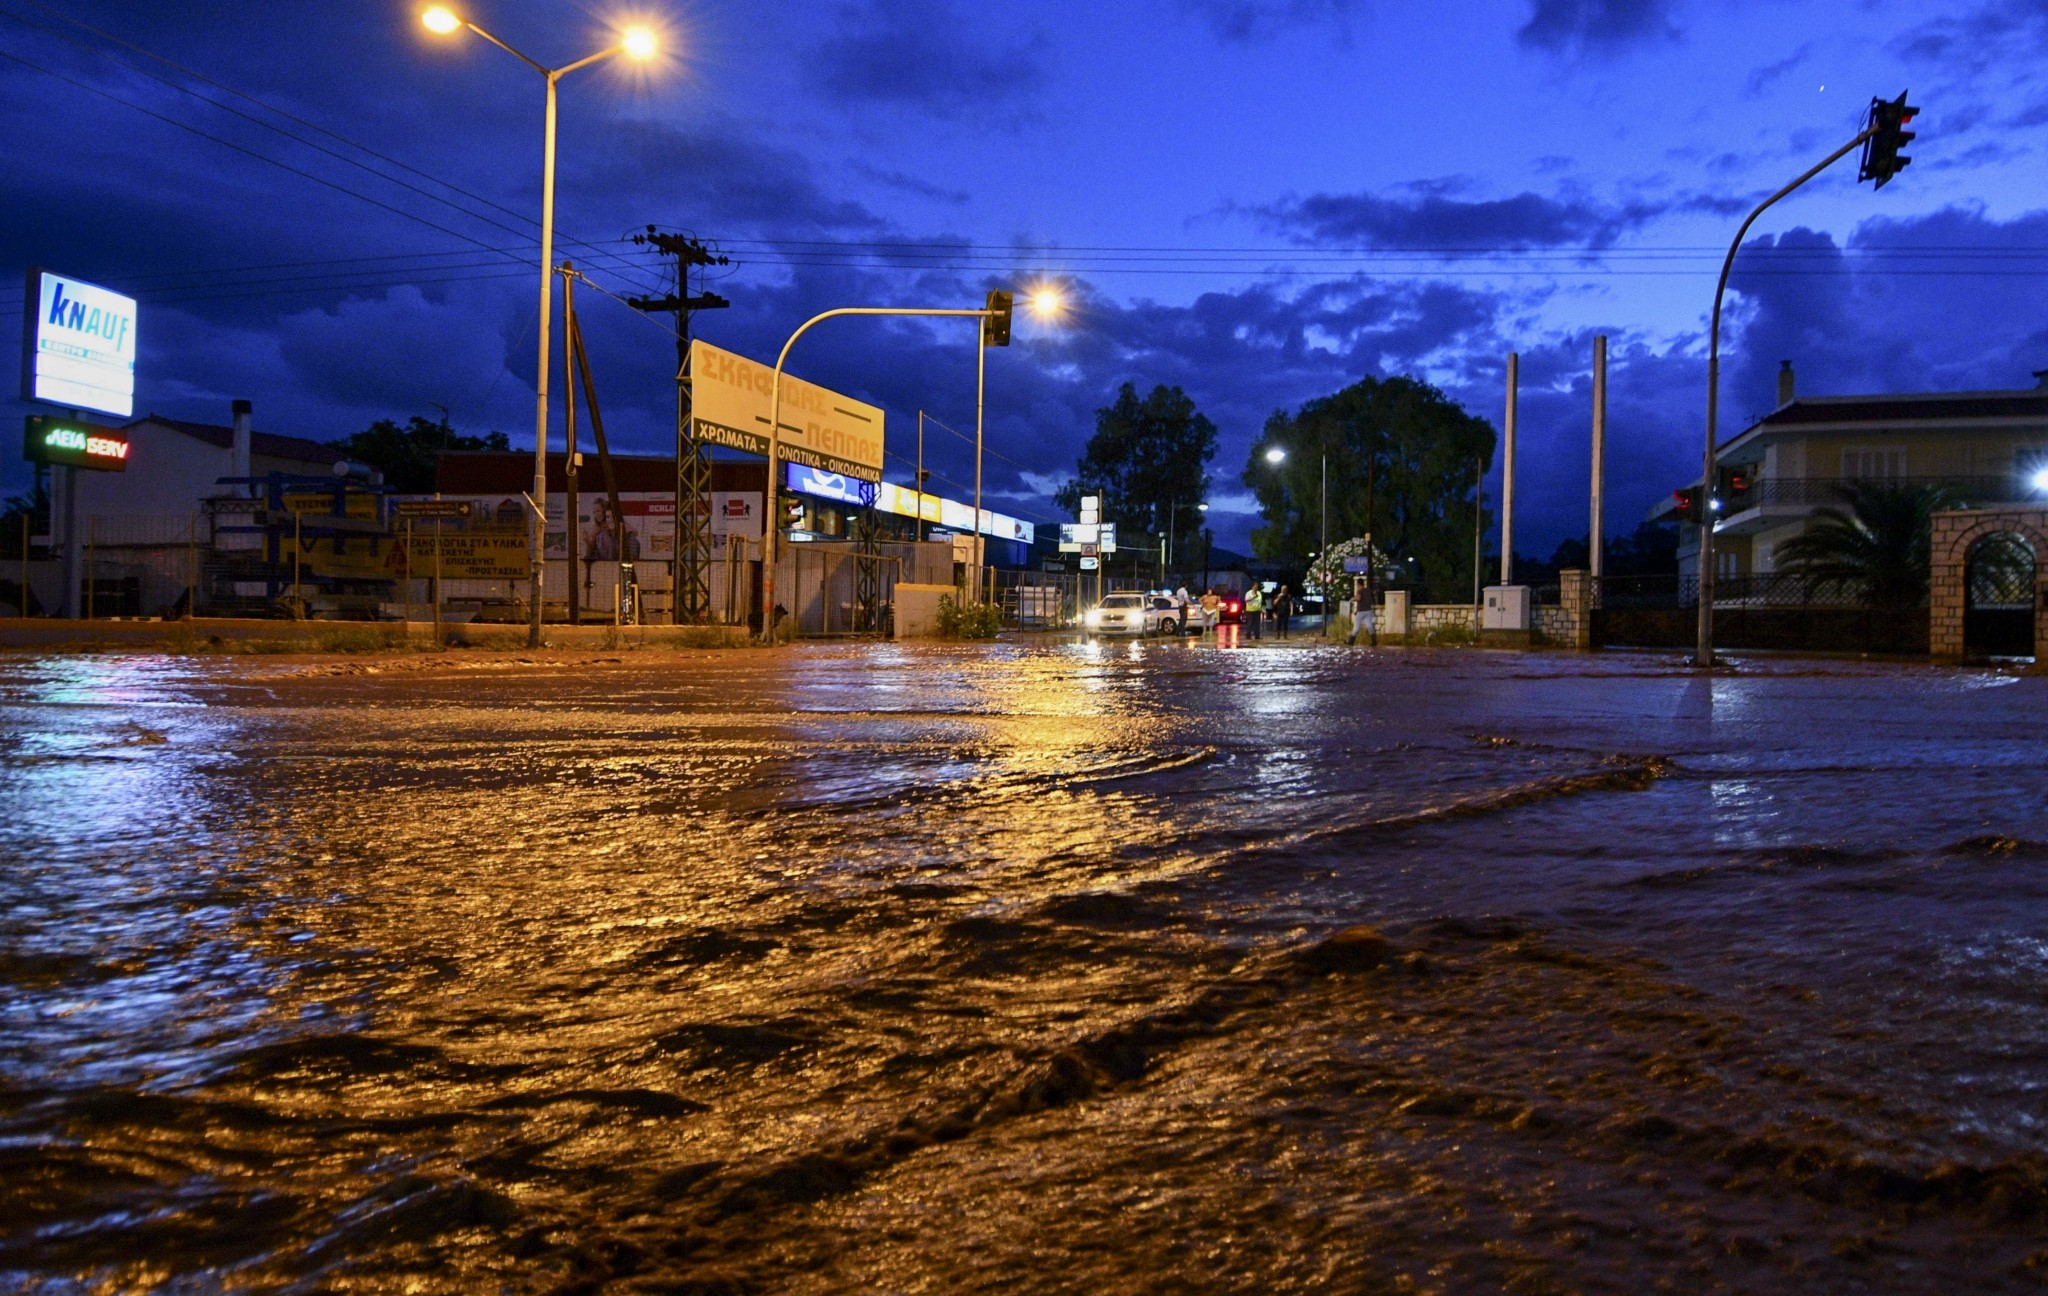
1954	532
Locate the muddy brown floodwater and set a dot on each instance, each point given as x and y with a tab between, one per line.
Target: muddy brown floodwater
1022	968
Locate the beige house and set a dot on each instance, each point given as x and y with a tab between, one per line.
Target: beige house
1989	445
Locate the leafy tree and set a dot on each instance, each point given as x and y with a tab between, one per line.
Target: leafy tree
1650	550
406	455
1877	548
1148	461
1414	453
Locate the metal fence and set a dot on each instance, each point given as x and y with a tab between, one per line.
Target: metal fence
1832	490
1782	610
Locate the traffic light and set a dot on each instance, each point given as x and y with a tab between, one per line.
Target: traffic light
1734	485
1685	504
1881	157
995	329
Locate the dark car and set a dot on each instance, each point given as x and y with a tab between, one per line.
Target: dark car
1232	610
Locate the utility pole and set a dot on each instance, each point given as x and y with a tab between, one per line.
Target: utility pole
690	592
1596	539
1507	478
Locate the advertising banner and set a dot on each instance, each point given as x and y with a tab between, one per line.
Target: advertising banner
78	345
806	480
730	403
495	554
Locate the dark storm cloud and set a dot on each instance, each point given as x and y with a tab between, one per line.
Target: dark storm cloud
1563	26
1875	320
930	55
1979	38
1433	220
1249	22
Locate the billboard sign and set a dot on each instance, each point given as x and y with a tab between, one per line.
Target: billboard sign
72	444
78	345
805	480
730	402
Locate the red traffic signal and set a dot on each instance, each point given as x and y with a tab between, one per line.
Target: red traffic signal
1881	156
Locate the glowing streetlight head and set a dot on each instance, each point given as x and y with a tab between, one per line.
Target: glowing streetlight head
1203	507
440	19
639	43
2041	481
1046	302
1275	455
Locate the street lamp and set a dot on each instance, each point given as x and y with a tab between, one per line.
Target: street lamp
1277	454
639	44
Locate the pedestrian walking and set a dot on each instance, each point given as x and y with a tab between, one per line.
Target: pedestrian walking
1211	606
1254	607
1283	608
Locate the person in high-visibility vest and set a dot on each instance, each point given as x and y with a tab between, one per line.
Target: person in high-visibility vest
1254	608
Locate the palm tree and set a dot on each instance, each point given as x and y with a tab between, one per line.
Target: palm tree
1875	549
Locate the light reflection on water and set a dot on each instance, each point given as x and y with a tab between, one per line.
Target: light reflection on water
860	967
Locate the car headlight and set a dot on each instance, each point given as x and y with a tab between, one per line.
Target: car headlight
1094	617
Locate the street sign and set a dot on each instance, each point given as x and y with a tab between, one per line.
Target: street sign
1075	534
1107	537
431	508
1090	564
72	444
1358	564
78	348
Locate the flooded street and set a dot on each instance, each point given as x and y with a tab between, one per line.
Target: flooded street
1026	967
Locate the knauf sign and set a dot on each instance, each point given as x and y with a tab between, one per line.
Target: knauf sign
79	345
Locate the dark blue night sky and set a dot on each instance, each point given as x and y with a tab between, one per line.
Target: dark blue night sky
330	212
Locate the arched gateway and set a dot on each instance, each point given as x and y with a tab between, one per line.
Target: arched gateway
1990	571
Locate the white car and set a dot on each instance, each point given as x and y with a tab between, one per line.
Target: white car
1133	614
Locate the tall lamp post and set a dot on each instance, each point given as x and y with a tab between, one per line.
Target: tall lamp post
638	44
1277	455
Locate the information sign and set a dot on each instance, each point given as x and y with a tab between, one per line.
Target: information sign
72	444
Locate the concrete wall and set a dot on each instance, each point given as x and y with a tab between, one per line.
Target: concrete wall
917	609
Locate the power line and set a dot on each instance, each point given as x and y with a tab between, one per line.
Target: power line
271	126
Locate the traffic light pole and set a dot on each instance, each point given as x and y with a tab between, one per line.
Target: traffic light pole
1704	650
771	520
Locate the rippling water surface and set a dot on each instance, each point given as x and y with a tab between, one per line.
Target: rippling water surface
1042	968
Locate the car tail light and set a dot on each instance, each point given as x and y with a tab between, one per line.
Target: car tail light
1233	607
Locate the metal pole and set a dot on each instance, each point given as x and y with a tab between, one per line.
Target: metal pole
918	530
408	580
1703	652
440	524
1324	509
192	556
91	564
1596	539
1478	530
570	502
1507	478
73	558
980	384
540	399
23	600
298	547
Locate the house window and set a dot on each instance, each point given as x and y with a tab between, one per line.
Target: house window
1866	464
1726	566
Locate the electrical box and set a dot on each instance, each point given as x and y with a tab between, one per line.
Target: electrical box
1506	608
